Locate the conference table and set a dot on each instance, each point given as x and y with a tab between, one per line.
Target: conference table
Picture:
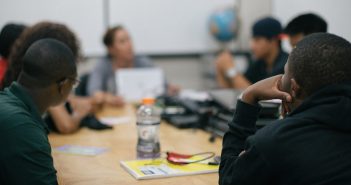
121	144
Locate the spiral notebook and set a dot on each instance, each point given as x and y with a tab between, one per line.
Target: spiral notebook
160	168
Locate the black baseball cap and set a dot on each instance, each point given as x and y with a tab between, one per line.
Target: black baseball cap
267	27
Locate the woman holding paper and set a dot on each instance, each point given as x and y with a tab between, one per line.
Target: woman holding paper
120	54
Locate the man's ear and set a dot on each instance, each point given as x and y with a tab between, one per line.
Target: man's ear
60	88
295	89
51	91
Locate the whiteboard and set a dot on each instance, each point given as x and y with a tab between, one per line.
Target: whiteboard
167	26
336	12
84	17
156	26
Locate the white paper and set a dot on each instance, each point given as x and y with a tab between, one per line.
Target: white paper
136	84
113	120
194	95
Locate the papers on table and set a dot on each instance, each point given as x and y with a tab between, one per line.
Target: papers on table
80	150
115	120
194	95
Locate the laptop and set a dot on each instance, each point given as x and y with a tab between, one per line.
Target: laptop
226	98
135	84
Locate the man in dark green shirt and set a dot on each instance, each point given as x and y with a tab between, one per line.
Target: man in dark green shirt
47	77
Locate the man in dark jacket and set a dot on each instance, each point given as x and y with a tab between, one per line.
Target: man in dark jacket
312	144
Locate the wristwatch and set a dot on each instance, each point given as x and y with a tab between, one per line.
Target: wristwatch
232	72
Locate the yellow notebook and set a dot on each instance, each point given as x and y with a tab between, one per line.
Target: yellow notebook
160	168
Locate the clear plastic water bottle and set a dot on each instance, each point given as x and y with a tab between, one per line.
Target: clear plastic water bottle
148	125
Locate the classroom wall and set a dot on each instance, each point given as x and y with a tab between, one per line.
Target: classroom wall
251	11
158	27
167	26
84	17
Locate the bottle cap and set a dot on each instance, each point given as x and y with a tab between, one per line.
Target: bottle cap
148	101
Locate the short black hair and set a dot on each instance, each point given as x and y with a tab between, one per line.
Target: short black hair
8	35
45	62
320	59
306	24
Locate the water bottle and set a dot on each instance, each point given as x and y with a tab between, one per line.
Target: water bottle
148	126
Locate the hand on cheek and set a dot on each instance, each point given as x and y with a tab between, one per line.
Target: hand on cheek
266	89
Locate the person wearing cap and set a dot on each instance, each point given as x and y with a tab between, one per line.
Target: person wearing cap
269	58
303	25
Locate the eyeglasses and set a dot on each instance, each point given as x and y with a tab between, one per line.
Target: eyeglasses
75	82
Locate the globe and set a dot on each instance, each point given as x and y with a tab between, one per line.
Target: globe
223	25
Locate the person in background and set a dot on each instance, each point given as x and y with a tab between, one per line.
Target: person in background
120	55
46	79
269	57
8	36
311	145
67	117
304	25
